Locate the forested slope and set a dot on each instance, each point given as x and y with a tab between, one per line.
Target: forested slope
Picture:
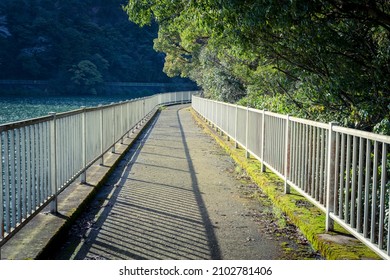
76	44
325	60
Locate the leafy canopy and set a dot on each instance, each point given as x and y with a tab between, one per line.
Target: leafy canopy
320	59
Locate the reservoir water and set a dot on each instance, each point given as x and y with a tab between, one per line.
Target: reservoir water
14	109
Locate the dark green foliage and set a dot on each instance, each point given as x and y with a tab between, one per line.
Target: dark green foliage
327	60
49	40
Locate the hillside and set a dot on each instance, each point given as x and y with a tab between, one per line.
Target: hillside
79	44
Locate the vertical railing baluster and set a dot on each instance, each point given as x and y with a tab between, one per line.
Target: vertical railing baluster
388	229
374	194
80	145
40	185
53	162
7	186
37	167
360	187
263	125
382	197
287	156
337	175
28	170
313	162
367	189
280	138
122	119
322	186
227	106
34	167
101	135
301	155
326	137
1	190
48	155
235	127
144	111
330	188
317	172
43	152
246	132
18	175
12	178
83	177
347	180
129	118
77	146
113	127
353	182
342	175
295	153
306	183
59	124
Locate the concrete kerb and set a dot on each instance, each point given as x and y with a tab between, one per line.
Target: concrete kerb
337	245
44	232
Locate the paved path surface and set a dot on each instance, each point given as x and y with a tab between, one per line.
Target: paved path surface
172	197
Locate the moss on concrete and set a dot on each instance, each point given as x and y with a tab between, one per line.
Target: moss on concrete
309	219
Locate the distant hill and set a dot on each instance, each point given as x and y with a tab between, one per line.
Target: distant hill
76	44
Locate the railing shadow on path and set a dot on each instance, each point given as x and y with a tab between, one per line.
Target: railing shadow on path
151	207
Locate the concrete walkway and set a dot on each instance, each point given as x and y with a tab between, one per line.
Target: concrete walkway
174	196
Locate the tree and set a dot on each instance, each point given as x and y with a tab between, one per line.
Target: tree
87	76
43	39
324	59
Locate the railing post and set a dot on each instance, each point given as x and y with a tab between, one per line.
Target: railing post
1	194
83	177
129	118
262	140
144	110
330	192
101	135
287	156
216	116
122	126
53	162
235	127
246	132
113	128
220	119
227	106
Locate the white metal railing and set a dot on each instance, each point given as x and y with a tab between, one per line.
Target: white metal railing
41	157
344	172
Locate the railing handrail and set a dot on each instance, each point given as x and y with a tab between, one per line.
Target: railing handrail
335	168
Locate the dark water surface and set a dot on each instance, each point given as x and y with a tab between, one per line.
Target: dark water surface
20	108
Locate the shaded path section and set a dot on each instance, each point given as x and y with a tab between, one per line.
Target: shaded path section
171	198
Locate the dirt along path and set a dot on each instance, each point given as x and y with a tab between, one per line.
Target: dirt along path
178	195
